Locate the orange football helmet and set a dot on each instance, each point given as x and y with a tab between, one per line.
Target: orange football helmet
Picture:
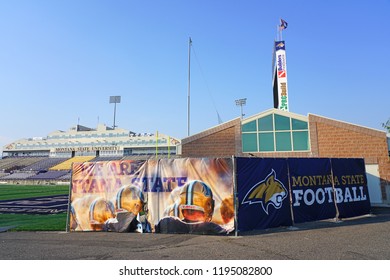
196	202
100	211
129	198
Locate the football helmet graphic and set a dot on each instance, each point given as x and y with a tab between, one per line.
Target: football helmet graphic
172	210
196	202
100	211
129	198
73	223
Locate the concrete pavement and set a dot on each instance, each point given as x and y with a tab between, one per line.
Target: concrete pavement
362	238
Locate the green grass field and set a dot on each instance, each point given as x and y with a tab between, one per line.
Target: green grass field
27	222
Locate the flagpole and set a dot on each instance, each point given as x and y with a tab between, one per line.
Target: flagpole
280	31
283	25
189	86
169	147
157	144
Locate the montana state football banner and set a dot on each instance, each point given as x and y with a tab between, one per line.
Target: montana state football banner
264	200
169	196
311	189
351	191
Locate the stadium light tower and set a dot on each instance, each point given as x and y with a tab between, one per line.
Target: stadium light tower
115	100
241	102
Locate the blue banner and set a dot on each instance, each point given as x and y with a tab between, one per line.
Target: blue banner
263	196
351	192
311	189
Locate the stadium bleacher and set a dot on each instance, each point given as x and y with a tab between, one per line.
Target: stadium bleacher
44	164
17	163
67	164
66	177
6	163
13	169
106	158
18	176
41	169
50	175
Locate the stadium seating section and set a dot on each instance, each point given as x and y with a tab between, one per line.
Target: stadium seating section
50	175
44	164
46	168
37	168
106	158
10	164
67	164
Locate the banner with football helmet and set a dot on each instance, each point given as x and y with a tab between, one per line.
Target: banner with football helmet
195	195
101	190
167	195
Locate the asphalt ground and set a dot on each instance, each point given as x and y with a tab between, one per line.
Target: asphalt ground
361	238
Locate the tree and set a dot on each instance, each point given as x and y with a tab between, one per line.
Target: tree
386	125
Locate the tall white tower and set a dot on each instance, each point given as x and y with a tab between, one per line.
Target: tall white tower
279	79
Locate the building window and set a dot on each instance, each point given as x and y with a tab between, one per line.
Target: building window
275	133
283	141
301	140
266	123
249	127
282	122
298	125
249	142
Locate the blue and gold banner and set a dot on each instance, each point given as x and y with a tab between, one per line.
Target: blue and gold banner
311	189
263	196
197	195
351	191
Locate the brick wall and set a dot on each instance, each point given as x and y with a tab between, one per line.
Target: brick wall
331	138
220	141
328	138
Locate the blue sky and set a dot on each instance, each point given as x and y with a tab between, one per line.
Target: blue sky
61	60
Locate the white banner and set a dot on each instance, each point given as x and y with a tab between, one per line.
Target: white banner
281	72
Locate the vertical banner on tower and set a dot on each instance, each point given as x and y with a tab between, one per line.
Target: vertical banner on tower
351	194
280	77
264	200
311	189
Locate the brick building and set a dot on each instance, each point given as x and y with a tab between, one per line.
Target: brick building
276	133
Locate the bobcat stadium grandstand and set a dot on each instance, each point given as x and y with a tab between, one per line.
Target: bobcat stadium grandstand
48	160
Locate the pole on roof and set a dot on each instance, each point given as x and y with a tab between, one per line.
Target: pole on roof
115	100
157	144
189	86
169	147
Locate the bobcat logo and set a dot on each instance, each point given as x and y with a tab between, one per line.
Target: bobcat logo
269	191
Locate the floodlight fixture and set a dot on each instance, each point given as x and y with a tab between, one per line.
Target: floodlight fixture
115	99
241	102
